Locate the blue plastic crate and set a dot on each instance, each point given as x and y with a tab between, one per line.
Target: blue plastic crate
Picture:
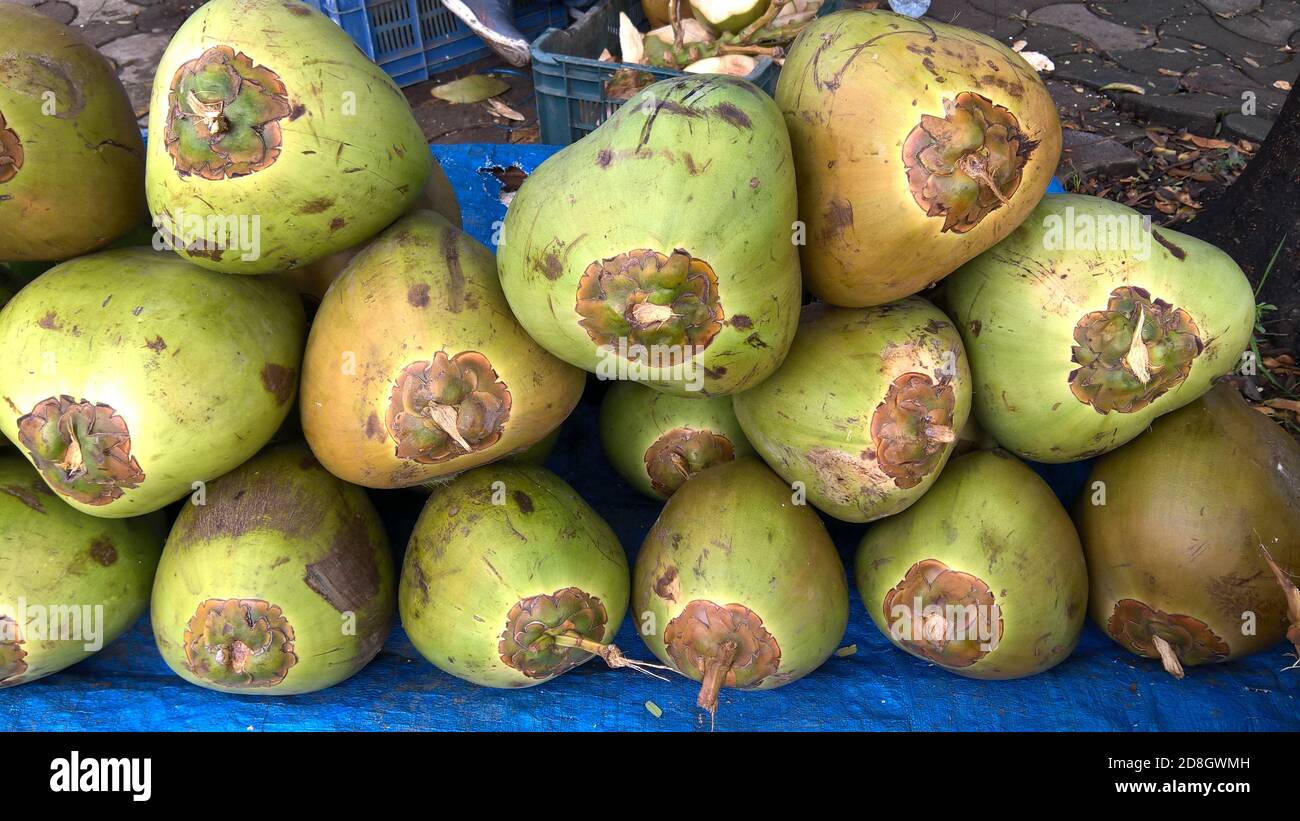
569	79
413	40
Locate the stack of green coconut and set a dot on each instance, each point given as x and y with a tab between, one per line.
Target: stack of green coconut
668	251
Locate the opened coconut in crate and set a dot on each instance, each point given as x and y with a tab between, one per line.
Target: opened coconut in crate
582	74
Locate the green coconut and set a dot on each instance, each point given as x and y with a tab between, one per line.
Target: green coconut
1179	528
280	582
728	15
69	583
274	142
621	253
71	158
738	586
511	579
984	576
416	370
130	375
657	441
866	408
1087	323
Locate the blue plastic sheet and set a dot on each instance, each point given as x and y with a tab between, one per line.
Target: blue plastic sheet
1101	687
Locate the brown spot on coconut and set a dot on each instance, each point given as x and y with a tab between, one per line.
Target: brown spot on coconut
279	381
319	556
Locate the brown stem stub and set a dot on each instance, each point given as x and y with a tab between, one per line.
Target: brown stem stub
715	674
546	635
1168	658
913	427
968	163
680	454
1176	639
1292	594
1133	352
83	449
446	407
239	643
721	646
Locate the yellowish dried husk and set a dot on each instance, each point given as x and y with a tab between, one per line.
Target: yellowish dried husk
853	88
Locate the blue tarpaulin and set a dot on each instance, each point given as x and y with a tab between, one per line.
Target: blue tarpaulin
1101	687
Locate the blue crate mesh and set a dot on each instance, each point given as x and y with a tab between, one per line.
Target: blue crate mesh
392	27
412	39
436	21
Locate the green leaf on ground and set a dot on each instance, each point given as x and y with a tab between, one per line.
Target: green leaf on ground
472	89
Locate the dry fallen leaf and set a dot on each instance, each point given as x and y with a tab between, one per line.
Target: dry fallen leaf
472	89
529	134
1168	72
1037	61
1285	404
1282	84
1204	142
500	109
1129	87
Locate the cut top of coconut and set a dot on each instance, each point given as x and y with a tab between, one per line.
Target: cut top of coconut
738	65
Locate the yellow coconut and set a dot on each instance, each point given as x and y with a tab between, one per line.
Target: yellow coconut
917	145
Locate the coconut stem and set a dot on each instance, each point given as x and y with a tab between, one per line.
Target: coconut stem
773	9
715	674
647	313
1292	594
934	629
1138	360
74	459
763	51
1168	657
973	166
210	113
444	416
609	653
940	433
675	18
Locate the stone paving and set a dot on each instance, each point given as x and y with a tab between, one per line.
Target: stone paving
131	33
1212	67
